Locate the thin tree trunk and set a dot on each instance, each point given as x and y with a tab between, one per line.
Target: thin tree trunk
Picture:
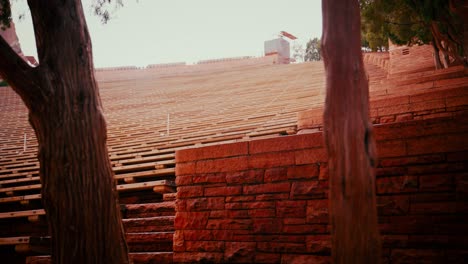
464	10
446	46
445	56
349	139
465	43
461	9
437	62
78	188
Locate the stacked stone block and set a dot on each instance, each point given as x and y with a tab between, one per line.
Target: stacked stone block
266	201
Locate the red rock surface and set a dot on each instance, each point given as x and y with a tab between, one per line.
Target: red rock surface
278	212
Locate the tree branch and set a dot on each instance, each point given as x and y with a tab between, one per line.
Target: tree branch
18	73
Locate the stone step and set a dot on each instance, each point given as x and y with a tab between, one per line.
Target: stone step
150	241
138	258
149	224
148	210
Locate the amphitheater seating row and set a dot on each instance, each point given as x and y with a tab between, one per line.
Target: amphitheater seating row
205	109
160	186
443	100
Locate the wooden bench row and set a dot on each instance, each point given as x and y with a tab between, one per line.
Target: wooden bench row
194	137
9	176
426	104
161	186
26	244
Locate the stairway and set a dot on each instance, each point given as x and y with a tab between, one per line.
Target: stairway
149	230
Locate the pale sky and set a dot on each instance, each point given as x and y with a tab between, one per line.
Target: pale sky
162	31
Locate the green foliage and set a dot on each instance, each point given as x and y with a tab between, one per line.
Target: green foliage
391	19
102	8
298	52
313	50
411	22
3	83
5	14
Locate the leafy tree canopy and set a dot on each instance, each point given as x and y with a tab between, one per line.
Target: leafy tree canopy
5	13
410	22
313	50
102	8
298	52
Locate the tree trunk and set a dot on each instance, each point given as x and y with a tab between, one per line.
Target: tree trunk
349	138
464	10
461	9
437	62
445	56
465	43
78	188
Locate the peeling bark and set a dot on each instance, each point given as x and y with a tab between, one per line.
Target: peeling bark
349	138
78	189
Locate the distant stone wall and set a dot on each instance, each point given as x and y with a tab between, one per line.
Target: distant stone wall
224	60
118	68
166	65
175	69
266	201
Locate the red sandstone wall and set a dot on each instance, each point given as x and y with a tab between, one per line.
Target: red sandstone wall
265	201
380	59
410	59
